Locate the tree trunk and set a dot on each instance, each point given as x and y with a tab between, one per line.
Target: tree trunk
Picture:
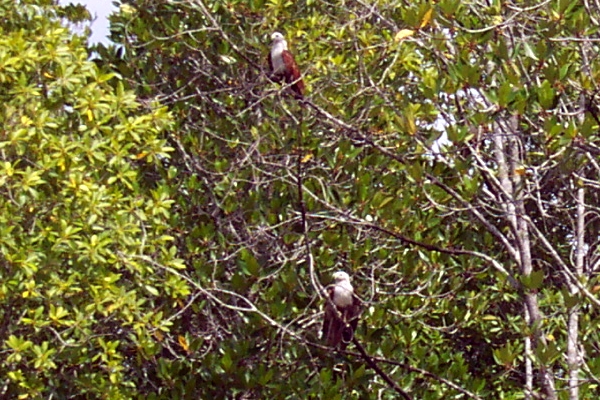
508	158
573	321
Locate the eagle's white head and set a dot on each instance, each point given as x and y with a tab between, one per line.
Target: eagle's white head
277	37
340	276
278	41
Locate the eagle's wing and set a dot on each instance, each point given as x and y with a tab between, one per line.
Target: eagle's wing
332	325
351	315
293	75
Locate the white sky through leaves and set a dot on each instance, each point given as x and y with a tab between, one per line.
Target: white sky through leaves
99	9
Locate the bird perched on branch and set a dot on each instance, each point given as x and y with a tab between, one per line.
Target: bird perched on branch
283	66
342	311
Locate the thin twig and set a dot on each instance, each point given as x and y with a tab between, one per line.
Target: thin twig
369	360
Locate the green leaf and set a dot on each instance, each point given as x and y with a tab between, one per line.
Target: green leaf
546	95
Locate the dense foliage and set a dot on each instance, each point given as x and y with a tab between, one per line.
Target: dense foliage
82	233
170	215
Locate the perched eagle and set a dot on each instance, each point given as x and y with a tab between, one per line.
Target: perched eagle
283	66
341	313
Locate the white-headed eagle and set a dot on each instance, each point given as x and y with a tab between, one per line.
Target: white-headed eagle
342	311
283	66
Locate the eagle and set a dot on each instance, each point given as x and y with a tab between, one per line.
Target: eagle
283	66
342	311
